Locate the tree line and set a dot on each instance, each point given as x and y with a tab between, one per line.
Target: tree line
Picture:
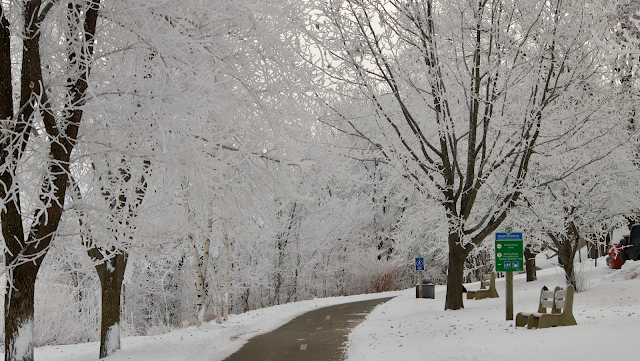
166	163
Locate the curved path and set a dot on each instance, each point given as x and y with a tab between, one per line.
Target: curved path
317	335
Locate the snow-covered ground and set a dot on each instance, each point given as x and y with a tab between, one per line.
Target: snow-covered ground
406	328
608	315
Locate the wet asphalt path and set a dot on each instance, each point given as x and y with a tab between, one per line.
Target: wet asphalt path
318	335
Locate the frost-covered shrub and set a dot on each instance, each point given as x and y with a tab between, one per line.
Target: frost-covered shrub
67	313
583	279
159	294
67	299
67	302
369	274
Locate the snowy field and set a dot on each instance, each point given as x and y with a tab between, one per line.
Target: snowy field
406	328
608	317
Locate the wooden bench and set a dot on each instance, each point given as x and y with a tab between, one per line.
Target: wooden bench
484	292
546	302
561	312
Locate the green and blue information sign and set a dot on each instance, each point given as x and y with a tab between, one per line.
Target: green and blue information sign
509	252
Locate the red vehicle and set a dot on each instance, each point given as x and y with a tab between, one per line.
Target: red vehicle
615	257
627	249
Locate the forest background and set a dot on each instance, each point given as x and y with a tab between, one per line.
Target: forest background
164	163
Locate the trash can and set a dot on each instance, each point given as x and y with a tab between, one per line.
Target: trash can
428	290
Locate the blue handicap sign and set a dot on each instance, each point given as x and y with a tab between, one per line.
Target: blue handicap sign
419	264
515	264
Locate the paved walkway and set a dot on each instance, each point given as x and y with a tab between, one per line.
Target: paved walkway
315	336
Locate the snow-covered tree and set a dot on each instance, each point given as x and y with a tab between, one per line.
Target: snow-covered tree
581	193
460	91
54	42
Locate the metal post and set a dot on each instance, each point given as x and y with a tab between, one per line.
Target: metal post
580	251
509	296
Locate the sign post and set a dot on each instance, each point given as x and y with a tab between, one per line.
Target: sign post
419	263
509	258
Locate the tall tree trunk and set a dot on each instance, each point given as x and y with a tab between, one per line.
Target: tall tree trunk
530	263
19	313
455	274
111	265
201	263
566	255
23	257
566	246
111	274
227	263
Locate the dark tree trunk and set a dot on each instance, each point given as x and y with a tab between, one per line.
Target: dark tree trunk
566	254
23	257
530	263
455	274
19	312
111	274
111	269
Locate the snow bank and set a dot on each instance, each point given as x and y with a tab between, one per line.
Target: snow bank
629	271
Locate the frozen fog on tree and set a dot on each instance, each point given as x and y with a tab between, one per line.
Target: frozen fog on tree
169	164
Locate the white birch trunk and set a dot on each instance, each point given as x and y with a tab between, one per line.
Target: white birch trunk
205	260
205	266
200	269
225	306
